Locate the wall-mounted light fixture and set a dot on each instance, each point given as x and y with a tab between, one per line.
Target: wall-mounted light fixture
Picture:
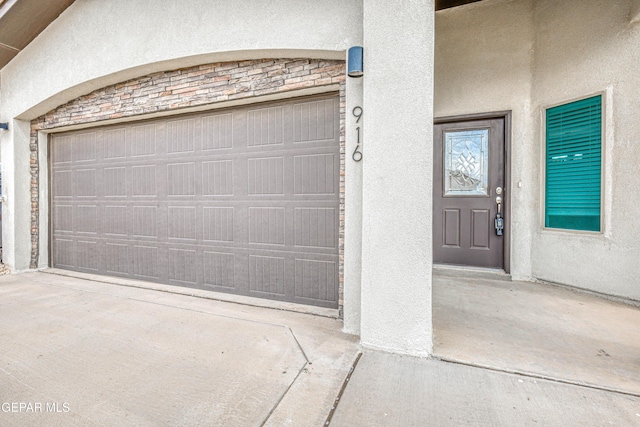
355	66
4	126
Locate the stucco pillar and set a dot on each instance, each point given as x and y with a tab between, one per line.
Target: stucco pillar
16	209
397	176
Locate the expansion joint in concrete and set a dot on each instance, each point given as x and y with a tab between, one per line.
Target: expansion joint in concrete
537	376
342	389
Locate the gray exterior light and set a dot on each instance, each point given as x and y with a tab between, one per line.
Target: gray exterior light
355	65
4	126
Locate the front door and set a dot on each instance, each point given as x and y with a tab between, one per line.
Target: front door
468	191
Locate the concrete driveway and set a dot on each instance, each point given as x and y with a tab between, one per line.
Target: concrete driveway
78	352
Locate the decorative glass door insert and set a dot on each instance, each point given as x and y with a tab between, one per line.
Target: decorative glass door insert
466	161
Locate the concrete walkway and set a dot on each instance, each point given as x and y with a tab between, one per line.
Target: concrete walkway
95	353
390	390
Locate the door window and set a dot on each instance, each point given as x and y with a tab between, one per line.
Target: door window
465	163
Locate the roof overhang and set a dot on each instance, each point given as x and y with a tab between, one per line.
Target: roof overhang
22	20
446	4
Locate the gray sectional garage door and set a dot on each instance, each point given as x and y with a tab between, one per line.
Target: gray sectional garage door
244	200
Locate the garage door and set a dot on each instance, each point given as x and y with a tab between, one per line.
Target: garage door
244	200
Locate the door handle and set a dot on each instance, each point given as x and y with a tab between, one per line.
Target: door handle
499	221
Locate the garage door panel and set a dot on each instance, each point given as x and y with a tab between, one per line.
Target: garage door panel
142	141
265	126
315	121
84	147
62	184
114	144
117	259
180	179
145	261
266	274
315	174
315	227
217	177
265	176
217	132
64	253
181	135
86	219
219	269
218	224
84	183
183	266
144	181
315	279
88	255
116	178
243	201
63	218
181	223
267	225
64	150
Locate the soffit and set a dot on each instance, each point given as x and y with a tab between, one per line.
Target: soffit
446	4
22	20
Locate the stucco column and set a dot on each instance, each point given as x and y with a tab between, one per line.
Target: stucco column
16	209
397	176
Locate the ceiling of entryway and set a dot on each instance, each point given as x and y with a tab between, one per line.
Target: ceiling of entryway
22	20
446	4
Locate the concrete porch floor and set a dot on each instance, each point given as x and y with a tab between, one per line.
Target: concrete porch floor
100	353
539	330
580	356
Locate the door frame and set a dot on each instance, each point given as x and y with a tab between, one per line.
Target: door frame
506	117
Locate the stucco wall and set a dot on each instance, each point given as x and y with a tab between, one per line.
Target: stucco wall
599	53
523	56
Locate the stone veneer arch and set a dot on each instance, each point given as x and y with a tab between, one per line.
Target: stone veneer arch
178	90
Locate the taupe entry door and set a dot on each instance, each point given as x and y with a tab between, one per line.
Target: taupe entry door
242	200
469	187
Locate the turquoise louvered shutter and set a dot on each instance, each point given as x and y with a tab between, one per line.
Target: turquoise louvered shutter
573	165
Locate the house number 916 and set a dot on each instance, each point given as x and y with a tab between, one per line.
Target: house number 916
357	154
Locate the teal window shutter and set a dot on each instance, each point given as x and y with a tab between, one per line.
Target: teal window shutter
573	165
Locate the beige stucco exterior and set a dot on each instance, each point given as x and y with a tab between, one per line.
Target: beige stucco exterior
495	55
